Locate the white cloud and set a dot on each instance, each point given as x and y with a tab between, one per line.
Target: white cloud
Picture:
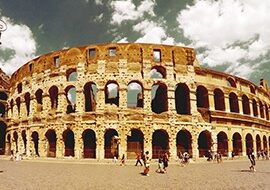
98	2
230	31
126	10
152	33
123	40
99	18
18	38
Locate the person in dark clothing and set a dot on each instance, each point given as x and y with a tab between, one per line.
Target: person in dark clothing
138	158
251	157
165	161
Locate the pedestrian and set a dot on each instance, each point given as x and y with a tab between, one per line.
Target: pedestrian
143	158
233	154
138	159
165	161
160	165
147	164
11	155
251	157
123	160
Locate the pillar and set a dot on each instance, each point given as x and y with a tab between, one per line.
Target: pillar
211	101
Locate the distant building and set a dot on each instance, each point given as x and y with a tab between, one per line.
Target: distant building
74	103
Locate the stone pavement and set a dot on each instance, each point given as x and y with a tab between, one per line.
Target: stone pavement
68	174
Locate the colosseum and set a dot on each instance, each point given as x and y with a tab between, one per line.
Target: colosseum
106	100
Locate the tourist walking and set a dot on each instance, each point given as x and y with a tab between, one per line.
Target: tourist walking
160	165
138	159
165	161
147	164
251	157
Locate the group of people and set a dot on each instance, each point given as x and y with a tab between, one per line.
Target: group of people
184	158
163	163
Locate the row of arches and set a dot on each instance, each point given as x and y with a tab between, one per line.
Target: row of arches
135	143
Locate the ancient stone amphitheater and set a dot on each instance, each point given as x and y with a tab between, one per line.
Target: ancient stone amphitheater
106	100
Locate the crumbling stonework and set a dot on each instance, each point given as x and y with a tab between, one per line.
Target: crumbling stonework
178	105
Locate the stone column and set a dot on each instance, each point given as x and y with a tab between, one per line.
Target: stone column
227	102
60	146
254	145
214	141
171	100
122	97
20	143
78	148
193	102
100	99
42	144
211	101
62	102
80	101
239	99
28	142
123	144
251	107
148	140
46	104
268	148
100	144
244	149
195	147
230	147
33	106
147	99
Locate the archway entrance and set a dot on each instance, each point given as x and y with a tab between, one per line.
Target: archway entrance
24	141
35	140
264	143
160	143
3	127
183	142
8	148
249	142
68	137
134	143
204	143
111	143
222	143
237	144
51	137
89	143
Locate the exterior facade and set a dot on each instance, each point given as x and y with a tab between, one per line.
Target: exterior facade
106	100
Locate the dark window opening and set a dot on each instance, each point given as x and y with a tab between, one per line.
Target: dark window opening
231	82
261	109
249	142
219	100
51	137
111	143
252	89
255	108
222	141
237	144
245	104
18	103
19	88
38	95
89	144
27	102
35	139
159	101
204	143
90	92
3	96
54	97
24	141
234	106
160	143
68	137
184	143
182	99
202	97
134	143
2	110
2	137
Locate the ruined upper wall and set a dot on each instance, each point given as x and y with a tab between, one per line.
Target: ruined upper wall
4	81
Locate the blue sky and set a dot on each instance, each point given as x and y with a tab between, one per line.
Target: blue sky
231	36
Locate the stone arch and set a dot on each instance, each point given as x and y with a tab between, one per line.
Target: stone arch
3	96
202	97
51	138
233	99
18	104
135	140
68	137
53	92
71	99
255	108
35	139
11	105
3	128
112	93
182	99
237	144
111	143
222	141
258	143
266	112
264	143
2	110
252	89
90	92
261	109
249	142
39	94
158	72
184	142
27	102
219	100
24	141
89	143
71	74
159	101
231	82
160	143
204	143
245	105
134	94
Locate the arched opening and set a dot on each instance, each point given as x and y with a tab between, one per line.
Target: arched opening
112	93
3	96
53	91
160	143
255	108
3	127
158	72
183	142
90	92
182	99
11	105
258	144
8	144
35	139
71	75
111	143
233	99
68	137
15	140
252	89
237	144
51	148
18	103
71	99
134	95
245	104
19	88
159	101
24	141
264	143
134	143
2	110
261	109
89	143
266	111
202	97
219	100
249	142
204	143
231	83
38	95
27	102
222	141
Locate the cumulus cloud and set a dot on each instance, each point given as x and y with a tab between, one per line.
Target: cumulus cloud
99	18
232	32
19	43
126	10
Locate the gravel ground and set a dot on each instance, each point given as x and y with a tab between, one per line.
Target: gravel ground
40	174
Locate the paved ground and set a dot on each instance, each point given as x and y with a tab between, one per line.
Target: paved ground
38	174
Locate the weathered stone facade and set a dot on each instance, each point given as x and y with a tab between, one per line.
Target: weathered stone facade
178	105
